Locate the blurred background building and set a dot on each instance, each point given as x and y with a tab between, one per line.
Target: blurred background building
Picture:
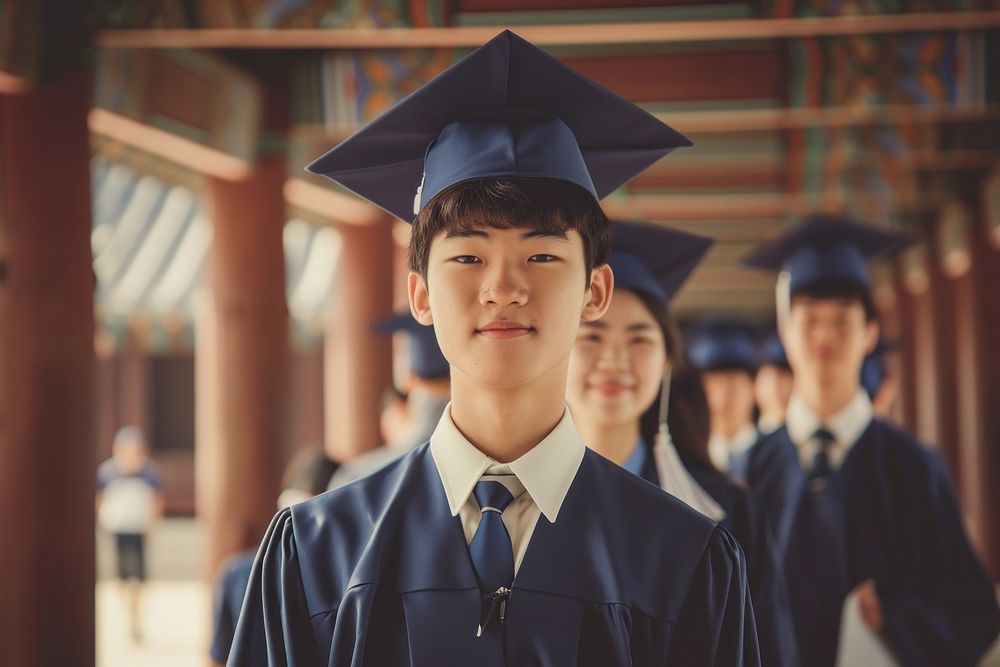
166	262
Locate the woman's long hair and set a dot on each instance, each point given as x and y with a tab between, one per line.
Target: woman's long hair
687	415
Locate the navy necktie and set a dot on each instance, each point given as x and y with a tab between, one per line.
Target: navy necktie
822	468
491	549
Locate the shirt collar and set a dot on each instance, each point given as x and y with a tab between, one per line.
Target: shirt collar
721	449
847	424
546	471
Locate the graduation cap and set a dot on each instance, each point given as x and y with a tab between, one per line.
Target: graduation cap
426	359
771	352
826	249
723	344
507	110
873	369
653	259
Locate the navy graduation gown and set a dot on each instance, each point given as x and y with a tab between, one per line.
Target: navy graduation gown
378	573
773	475
771	602
889	513
229	594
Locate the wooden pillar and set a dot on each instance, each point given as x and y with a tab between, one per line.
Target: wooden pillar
978	372
47	377
907	355
243	363
358	364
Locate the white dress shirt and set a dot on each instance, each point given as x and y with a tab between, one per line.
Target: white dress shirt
846	425
545	474
721	449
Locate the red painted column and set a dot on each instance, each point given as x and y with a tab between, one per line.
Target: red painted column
48	457
358	362
978	374
242	363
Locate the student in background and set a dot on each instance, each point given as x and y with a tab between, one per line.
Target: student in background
428	392
306	476
880	569
129	502
637	403
772	384
723	352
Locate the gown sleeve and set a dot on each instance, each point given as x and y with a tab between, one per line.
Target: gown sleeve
952	618
768	587
716	626
274	629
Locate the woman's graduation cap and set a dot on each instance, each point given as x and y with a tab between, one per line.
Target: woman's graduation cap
508	110
825	250
426	359
653	259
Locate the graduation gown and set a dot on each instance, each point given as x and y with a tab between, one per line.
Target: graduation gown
773	474
889	513
228	600
378	573
771	602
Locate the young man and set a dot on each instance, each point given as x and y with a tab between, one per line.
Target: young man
503	541
723	352
876	536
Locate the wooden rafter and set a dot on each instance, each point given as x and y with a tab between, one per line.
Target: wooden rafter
652	32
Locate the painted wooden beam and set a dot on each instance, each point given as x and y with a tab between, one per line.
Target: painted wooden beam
190	154
652	32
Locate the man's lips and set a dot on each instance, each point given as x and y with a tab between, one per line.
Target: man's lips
504	329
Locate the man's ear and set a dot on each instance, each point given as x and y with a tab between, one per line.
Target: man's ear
872	330
420	300
598	298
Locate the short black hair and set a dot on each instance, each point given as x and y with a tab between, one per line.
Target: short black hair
545	204
840	290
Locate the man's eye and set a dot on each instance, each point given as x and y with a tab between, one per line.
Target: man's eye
543	259
466	259
642	340
590	338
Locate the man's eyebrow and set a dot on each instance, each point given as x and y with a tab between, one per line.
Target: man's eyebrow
467	233
541	233
639	326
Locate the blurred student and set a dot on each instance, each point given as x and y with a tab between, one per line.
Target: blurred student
428	391
772	385
879	567
129	501
723	352
637	403
306	476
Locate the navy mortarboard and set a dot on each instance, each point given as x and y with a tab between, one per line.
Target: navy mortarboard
771	352
508	110
723	344
654	259
426	359
826	249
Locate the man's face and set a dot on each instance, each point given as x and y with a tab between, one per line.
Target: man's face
506	303
826	340
730	400
617	365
